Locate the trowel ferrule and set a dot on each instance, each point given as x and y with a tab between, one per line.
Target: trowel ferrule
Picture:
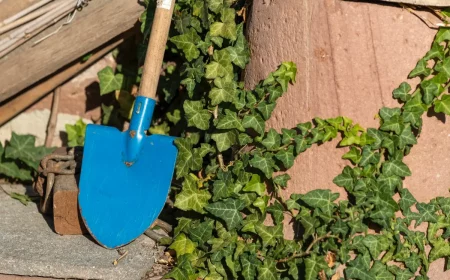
139	124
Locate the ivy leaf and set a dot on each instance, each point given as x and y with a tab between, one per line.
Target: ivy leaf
277	212
427	213
249	264
254	121
340	228
353	155
396	167
268	270
272	140
288	135
22	147
224	140
286	157
282	180
392	124
369	157
301	144
314	264
413	262
406	137
196	115
220	66
182	271
187	42
420	69
387	113
227	210
229	121
388	184
436	51
402	92
221	190
265	164
344	180
255	185
441	248
224	91
430	90
225	30
444	67
108	81
266	109
309	224
443	105
285	74
191	197
182	245
376	244
269	234
322	199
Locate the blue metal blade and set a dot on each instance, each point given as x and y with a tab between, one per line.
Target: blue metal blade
123	184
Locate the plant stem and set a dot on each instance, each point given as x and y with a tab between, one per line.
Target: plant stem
308	250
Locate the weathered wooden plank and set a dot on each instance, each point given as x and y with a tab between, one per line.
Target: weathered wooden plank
96	24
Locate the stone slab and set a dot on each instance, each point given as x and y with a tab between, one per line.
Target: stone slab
29	246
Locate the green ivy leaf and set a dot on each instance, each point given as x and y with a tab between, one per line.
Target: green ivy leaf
376	244
276	210
249	264
196	115
191	197
255	185
229	121
268	270
272	140
224	91
225	30
436	51
228	210
402	92
224	140
314	264
108	81
406	137
182	245
430	91
269	234
353	155
188	42
443	105
285	74
265	164
322	199
369	157
254	121
392	124
420	69
22	147
266	109
220	66
301	144
282	180
286	156
395	167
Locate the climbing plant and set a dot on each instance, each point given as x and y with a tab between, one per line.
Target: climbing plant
230	172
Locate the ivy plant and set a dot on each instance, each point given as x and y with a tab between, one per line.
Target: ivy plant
20	157
230	173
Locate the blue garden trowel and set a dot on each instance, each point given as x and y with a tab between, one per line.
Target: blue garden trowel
126	176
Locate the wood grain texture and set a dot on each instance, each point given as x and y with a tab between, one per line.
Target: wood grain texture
96	24
155	53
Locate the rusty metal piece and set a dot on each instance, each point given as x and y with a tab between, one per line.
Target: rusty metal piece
63	161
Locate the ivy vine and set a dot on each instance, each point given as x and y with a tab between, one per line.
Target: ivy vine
231	210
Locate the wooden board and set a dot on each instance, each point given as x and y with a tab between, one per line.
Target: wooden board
96	24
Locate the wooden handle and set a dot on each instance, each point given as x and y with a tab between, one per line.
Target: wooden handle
156	48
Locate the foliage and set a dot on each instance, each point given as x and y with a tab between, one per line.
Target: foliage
76	133
20	158
230	170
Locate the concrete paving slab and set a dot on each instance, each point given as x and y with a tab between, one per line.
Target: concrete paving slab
29	246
